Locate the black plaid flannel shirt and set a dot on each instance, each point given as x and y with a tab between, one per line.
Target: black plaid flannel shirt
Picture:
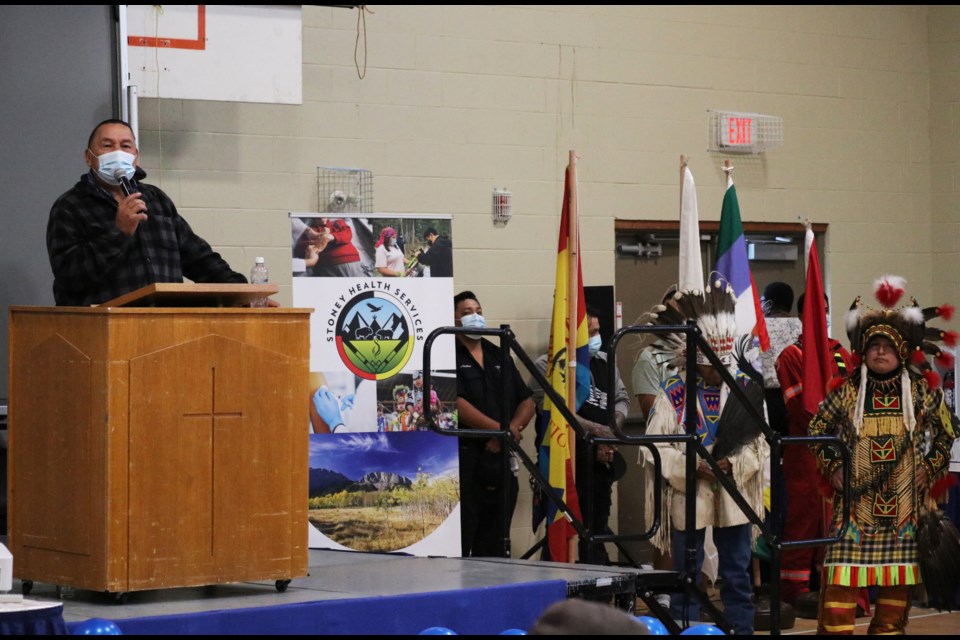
93	261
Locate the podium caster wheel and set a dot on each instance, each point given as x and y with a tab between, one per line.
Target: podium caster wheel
282	585
121	597
64	593
26	587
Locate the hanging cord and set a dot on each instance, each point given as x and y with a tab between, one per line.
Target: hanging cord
364	9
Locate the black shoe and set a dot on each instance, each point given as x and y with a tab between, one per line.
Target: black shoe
808	605
762	618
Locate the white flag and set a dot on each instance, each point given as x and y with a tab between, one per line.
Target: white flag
691	266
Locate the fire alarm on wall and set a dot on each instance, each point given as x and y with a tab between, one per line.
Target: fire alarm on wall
502	207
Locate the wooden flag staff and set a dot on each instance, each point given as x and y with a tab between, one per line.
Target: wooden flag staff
573	273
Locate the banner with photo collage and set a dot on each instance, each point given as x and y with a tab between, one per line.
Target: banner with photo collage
380	480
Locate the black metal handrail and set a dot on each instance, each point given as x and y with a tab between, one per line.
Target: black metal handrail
507	341
770	529
846	496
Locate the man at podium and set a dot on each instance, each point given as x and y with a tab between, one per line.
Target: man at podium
112	234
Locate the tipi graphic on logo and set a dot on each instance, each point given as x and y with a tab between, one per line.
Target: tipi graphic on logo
373	336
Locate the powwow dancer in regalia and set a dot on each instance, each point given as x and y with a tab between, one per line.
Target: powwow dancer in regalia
724	428
893	419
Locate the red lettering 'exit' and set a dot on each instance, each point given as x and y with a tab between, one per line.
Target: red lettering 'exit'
739	130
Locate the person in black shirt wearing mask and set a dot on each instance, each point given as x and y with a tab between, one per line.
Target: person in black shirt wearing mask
481	368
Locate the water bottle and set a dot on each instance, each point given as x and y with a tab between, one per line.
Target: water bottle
259	275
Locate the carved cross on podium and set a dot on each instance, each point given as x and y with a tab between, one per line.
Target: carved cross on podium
213	414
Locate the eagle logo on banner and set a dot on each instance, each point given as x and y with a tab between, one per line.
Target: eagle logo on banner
373	335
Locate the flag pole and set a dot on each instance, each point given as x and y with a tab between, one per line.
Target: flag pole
572	281
573	273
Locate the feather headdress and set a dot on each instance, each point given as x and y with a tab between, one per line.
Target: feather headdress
714	312
904	326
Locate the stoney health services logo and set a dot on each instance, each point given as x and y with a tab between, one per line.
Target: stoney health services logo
373	335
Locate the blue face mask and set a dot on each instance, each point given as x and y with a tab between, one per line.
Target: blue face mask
113	161
594	343
473	321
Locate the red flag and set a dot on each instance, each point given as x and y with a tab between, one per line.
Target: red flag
760	329
817	369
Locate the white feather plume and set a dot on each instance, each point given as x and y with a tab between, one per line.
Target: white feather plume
853	318
913	315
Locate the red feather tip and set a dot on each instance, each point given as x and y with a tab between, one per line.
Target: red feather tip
856	360
950	338
945	311
932	378
945	359
938	491
918	357
888	293
835	383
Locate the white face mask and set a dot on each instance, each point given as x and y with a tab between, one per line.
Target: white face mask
473	321
594	343
111	162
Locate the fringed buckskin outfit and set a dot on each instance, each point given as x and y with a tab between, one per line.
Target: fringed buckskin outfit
733	533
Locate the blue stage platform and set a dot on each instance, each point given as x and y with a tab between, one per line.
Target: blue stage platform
360	593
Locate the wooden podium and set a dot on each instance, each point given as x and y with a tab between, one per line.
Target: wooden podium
159	446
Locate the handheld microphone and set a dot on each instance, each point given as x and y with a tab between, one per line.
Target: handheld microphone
127	187
125	184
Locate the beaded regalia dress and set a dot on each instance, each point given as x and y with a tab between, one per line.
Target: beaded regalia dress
879	546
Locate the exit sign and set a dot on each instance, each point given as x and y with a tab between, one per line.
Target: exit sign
738	130
744	132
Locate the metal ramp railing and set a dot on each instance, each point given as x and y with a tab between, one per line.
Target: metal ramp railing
686	579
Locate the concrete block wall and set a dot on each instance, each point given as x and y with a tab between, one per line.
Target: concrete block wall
458	100
944	29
